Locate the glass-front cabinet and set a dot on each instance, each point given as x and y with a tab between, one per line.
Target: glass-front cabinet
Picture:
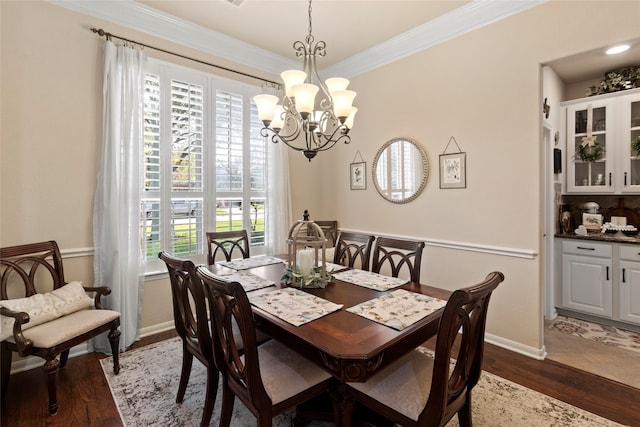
603	144
589	136
630	154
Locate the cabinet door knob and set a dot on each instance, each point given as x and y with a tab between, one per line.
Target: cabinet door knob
623	280
586	249
625	179
607	272
610	181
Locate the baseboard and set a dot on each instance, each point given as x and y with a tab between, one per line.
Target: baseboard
516	347
31	362
156	329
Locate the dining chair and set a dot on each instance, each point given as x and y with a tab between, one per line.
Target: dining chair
269	379
420	390
393	255
353	249
227	243
192	324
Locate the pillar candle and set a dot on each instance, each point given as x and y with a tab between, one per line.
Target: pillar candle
305	262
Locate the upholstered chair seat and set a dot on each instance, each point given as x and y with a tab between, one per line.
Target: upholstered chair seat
402	386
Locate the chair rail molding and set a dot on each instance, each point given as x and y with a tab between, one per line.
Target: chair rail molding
462	246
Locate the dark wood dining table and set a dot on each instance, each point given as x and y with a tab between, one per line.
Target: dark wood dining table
348	346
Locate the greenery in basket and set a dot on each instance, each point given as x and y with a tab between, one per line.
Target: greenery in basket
313	280
614	81
590	153
635	146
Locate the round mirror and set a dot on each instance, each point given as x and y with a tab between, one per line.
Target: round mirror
400	170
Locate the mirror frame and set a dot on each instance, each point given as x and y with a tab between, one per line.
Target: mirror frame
425	170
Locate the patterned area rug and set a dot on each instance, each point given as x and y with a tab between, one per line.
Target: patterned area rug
146	387
605	334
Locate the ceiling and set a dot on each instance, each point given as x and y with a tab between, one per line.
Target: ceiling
359	34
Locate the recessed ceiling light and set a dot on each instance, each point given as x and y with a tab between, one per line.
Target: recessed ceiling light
617	49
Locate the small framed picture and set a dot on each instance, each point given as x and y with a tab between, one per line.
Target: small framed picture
358	174
453	170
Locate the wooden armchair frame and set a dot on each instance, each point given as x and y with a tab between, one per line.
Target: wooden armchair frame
26	267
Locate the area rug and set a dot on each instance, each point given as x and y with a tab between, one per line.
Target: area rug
146	387
605	334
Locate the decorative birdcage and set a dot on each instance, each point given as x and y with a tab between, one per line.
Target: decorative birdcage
307	266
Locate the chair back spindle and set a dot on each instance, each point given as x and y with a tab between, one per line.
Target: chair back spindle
396	255
227	243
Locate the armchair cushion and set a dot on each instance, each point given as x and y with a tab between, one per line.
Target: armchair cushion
66	327
43	308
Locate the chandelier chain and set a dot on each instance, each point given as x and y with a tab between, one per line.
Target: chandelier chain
310	29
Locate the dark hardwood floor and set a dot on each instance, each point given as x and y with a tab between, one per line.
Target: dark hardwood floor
85	399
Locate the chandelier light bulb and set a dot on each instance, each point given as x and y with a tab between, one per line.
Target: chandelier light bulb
336	83
342	103
305	95
292	78
349	122
266	106
278	120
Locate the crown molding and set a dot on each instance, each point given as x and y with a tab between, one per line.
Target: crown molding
462	20
134	15
138	17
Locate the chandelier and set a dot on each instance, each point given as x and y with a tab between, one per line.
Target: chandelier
301	121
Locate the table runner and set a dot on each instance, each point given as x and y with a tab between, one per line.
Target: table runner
398	309
249	281
293	305
370	280
253	262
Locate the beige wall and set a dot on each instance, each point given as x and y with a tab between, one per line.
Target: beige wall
483	88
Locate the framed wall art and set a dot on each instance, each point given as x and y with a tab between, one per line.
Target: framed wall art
453	173
358	174
453	167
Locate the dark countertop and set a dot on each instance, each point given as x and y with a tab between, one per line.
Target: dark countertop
603	237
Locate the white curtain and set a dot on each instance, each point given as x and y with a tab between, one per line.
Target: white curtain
279	199
116	228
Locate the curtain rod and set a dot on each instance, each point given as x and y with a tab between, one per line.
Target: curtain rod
103	33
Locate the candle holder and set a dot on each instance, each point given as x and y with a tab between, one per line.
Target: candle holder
307	267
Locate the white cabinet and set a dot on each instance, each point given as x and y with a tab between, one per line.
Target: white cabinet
615	123
629	157
601	279
629	278
586	277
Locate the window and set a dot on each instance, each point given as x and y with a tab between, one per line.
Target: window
205	162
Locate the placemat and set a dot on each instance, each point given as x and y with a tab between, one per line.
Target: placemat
253	262
370	280
293	305
398	309
249	281
331	267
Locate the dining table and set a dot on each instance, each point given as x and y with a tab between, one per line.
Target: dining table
349	346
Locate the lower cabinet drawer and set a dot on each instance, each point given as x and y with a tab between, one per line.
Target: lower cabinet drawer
586	248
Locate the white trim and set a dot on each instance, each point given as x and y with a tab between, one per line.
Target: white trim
536	353
30	362
141	18
131	14
458	22
157	328
77	252
463	246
